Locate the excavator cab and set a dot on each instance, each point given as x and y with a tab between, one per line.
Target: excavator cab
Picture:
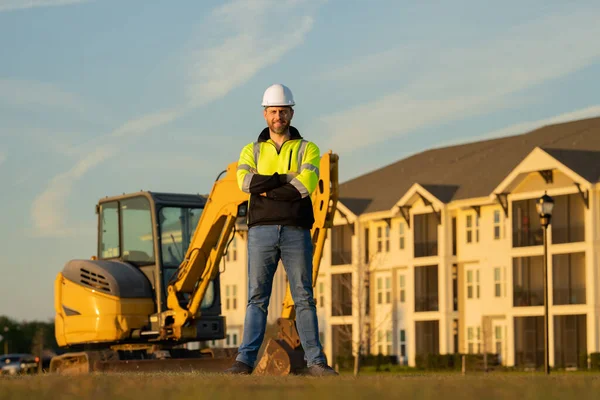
142	240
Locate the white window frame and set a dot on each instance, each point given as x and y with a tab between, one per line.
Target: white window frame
383	238
472	228
388	290
499	282
473	283
497	233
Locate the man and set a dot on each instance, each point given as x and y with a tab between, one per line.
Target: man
279	171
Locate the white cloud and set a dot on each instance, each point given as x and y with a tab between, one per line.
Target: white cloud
463	82
10	5
26	93
219	65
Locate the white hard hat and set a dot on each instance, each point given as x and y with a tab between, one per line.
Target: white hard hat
278	95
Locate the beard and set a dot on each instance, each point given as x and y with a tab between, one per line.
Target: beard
280	128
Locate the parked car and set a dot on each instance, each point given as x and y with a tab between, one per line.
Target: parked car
17	364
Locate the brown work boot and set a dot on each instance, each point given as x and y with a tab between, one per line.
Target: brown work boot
239	368
321	370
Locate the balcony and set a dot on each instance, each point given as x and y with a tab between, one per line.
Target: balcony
528	297
573	295
426	303
341	257
426	249
525	237
568	234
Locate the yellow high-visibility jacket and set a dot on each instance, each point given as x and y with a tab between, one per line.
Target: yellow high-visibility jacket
277	195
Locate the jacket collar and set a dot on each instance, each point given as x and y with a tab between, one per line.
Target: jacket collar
265	135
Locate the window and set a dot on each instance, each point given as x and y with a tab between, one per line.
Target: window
455	287
321	300
570	340
388	342
497	225
473	287
469	228
425	235
235	297
231	297
137	232
527	230
402	288
388	291
498	342
499	282
401	235
472	228
109	230
529	341
568	219
402	342
427	337
384	293
568	271
528	281
383	238
474	340
231	339
379	342
341	294
366	247
341	244
426	288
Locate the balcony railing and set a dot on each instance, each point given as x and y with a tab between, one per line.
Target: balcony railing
426	303
528	297
529	359
524	238
574	295
568	234
426	249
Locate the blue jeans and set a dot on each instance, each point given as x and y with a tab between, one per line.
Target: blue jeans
267	244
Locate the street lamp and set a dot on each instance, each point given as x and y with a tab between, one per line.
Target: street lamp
544	207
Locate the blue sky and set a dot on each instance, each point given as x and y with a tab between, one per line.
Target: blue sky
103	97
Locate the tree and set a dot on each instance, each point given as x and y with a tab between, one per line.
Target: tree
359	296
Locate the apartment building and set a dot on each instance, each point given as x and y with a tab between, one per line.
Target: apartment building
442	252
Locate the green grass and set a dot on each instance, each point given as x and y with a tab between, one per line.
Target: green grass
413	385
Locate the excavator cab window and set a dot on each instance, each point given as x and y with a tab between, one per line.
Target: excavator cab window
177	226
126	231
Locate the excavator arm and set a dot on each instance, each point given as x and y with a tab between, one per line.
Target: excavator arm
200	265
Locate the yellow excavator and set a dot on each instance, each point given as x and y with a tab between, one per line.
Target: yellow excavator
154	284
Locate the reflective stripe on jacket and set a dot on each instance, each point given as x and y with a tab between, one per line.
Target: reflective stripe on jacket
276	197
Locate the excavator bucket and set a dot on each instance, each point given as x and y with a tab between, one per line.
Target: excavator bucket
279	359
282	356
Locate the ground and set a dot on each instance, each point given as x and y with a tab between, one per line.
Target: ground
181	386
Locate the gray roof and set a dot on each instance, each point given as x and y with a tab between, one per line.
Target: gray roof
474	169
